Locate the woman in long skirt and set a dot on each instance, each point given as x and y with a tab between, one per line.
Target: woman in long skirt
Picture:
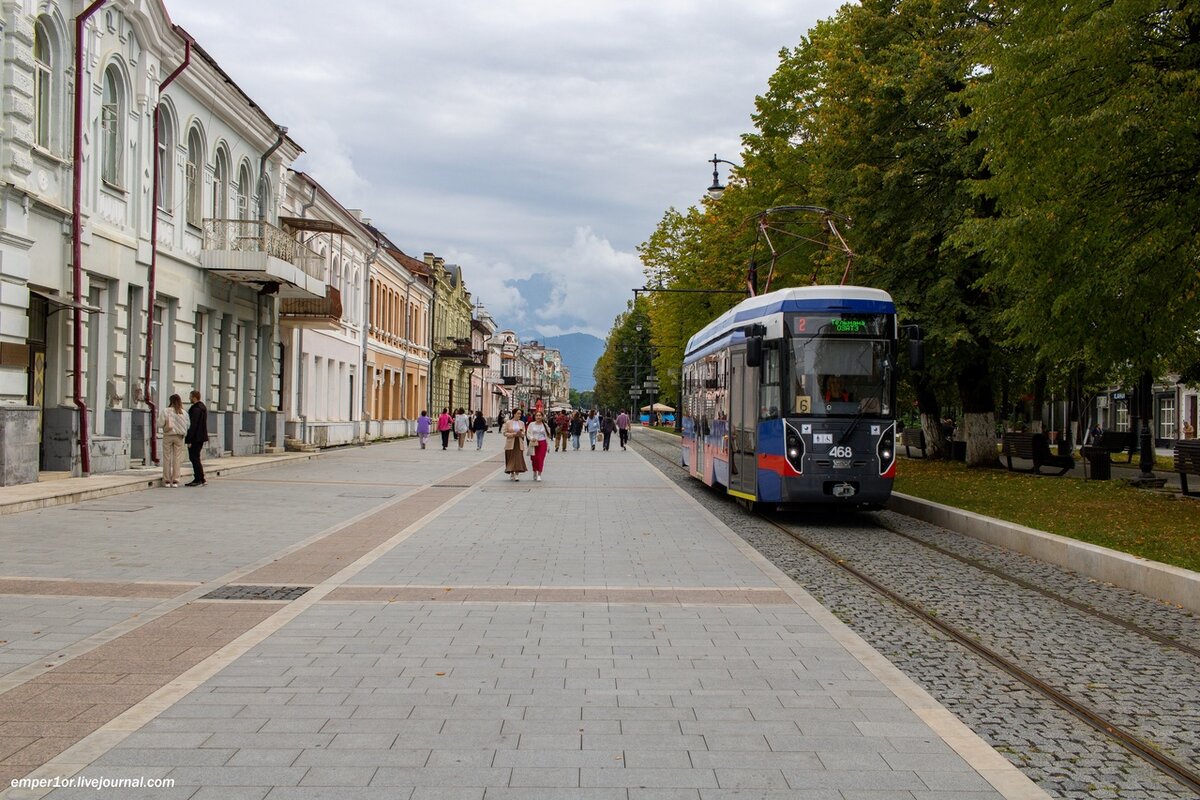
539	441
514	447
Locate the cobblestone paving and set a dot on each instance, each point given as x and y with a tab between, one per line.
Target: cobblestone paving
1150	687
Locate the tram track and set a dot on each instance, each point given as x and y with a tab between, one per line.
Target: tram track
1180	772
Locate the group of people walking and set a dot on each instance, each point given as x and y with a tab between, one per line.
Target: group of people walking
183	429
534	433
461	424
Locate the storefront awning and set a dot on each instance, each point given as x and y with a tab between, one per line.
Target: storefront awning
60	303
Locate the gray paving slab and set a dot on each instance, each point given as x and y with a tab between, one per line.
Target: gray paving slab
574	698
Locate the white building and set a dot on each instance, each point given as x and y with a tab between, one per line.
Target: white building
219	263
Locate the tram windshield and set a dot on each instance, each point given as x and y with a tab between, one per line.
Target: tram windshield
841	376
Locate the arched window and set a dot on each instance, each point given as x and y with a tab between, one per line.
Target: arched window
220	195
194	177
43	87
244	188
357	300
337	273
263	197
166	159
112	112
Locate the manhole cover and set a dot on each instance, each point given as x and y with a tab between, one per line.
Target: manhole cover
244	592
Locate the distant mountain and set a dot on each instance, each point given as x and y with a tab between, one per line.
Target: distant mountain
580	352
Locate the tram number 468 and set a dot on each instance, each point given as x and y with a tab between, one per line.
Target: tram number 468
841	451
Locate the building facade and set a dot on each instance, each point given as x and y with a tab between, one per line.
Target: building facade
398	345
453	358
88	349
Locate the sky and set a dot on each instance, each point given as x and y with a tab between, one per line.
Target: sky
534	142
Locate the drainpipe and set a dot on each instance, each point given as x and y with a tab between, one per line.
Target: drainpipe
259	407
151	296
300	415
85	456
366	309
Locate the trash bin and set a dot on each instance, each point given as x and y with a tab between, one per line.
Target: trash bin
1099	465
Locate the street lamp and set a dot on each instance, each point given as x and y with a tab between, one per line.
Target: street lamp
716	190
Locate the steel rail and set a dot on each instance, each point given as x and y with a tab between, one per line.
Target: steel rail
1162	761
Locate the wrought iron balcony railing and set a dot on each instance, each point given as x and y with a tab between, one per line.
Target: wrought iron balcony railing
258	236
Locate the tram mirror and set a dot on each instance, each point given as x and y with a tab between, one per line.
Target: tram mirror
754	351
916	354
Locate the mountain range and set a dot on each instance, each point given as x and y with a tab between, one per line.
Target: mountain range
580	352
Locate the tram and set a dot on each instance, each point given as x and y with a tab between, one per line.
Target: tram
790	398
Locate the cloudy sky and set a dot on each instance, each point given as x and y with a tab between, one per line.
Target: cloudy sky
535	142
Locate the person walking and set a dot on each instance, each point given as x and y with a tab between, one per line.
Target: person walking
607	426
423	423
562	429
576	429
514	447
445	423
197	437
538	434
174	426
462	426
593	426
500	422
480	427
623	428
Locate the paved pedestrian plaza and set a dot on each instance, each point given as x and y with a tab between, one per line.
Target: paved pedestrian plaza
387	622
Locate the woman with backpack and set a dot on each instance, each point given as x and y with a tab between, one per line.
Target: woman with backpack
480	426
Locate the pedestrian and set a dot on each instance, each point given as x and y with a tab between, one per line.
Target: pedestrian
593	426
423	428
480	427
500	422
607	426
462	426
445	423
562	429
551	424
623	428
576	429
174	426
538	434
514	447
197	437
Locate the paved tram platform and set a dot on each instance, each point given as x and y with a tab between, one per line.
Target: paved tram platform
387	622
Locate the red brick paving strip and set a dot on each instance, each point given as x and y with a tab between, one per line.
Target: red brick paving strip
48	714
504	594
44	716
324	558
73	588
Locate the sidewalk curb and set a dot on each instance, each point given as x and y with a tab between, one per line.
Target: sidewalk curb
1160	581
109	485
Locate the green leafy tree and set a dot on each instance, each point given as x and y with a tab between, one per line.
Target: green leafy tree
1087	122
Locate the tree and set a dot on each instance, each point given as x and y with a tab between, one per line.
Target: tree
626	356
1087	125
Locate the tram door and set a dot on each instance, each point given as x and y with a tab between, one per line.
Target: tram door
743	425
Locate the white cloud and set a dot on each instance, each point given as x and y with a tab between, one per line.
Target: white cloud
520	139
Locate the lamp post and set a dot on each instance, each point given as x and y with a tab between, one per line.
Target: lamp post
716	190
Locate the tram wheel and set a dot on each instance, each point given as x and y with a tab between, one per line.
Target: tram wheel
748	505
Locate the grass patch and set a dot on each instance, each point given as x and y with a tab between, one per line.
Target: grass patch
1107	513
664	429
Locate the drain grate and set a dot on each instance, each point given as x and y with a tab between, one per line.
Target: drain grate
451	486
247	592
371	495
109	508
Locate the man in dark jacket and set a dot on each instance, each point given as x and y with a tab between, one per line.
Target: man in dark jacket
197	437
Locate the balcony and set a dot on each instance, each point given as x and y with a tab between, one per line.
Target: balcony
257	253
315	314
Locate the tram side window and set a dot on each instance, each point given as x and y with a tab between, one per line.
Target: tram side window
771	378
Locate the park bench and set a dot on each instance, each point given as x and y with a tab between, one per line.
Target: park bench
1036	448
1115	442
1187	462
913	437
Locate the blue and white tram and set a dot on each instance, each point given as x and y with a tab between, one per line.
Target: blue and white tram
790	397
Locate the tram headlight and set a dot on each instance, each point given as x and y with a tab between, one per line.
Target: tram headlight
886	450
795	449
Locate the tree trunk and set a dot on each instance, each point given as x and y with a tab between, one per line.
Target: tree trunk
1036	422
931	419
979	413
979	431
